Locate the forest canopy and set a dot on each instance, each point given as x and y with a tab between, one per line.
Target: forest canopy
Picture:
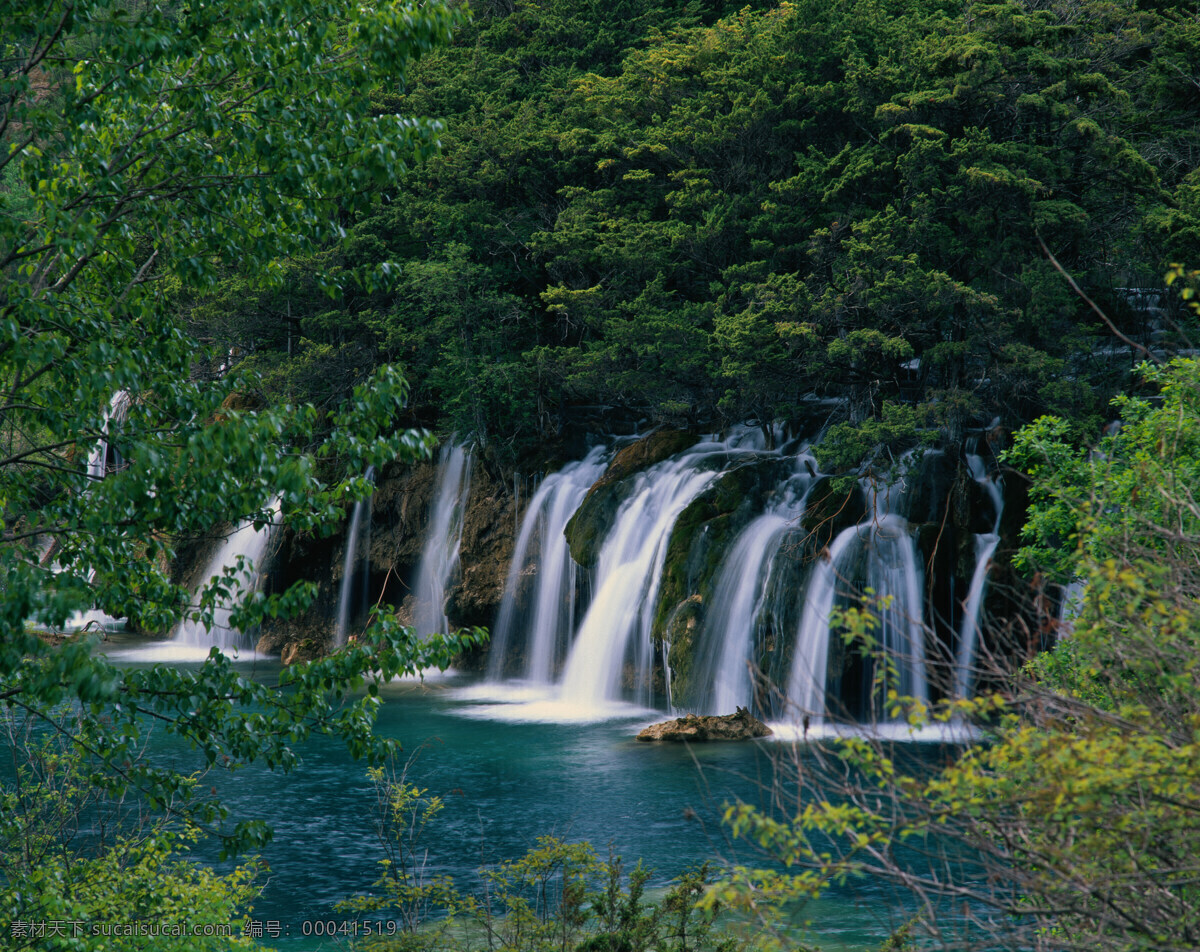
706	214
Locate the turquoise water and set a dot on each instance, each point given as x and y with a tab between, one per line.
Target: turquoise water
505	780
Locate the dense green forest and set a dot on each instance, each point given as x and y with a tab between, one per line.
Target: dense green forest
695	213
901	220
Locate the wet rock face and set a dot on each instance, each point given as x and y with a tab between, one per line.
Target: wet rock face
401	512
741	725
658	446
681	630
488	537
301	558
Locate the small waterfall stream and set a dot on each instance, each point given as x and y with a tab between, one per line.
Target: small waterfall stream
346	595
740	598
894	575
104	457
873	564
737	604
1070	604
810	657
541	550
627	580
439	557
241	556
985	548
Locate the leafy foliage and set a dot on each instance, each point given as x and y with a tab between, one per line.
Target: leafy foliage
1075	826
147	150
76	872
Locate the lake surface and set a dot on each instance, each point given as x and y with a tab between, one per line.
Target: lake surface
508	773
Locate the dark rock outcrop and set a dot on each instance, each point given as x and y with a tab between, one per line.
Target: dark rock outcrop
741	725
488	536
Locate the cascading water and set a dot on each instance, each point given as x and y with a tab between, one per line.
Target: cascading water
985	548
1070	604
102	460
737	603
740	596
346	597
893	574
243	552
880	554
439	557
616	630
541	550
810	655
767	605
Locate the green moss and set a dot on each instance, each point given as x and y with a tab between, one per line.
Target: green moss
658	446
682	627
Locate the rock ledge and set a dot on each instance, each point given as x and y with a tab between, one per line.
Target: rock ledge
694	727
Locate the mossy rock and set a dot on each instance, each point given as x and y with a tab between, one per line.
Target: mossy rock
591	522
741	725
658	446
699	542
586	529
681	628
706	528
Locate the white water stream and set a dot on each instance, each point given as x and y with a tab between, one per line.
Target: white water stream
985	548
346	596
541	551
240	558
439	558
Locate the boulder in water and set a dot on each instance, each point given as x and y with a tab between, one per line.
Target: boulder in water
741	725
298	652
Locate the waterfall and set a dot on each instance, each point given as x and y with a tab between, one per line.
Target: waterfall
893	574
541	550
243	553
739	602
439	557
1070	604
880	555
985	548
104	457
810	655
345	607
616	630
762	600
